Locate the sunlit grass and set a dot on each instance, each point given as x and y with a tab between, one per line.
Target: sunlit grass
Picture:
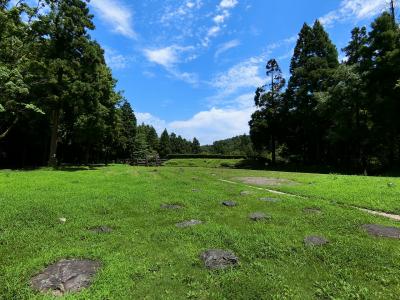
147	256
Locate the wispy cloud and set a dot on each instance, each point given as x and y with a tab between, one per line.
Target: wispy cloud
169	57
356	10
115	60
219	19
226	46
114	13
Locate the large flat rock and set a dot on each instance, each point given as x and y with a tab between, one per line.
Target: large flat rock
66	276
382	231
217	259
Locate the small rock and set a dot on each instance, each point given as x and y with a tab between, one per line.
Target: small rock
171	206
66	276
315	241
62	220
189	223
259	216
216	259
273	200
312	210
382	231
101	229
245	193
229	203
195	190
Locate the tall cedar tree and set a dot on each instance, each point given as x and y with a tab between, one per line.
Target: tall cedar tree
315	58
165	144
265	125
383	71
62	34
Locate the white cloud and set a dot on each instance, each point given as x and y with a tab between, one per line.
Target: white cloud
242	75
214	124
228	4
169	57
356	10
149	119
226	46
116	15
219	19
166	57
115	60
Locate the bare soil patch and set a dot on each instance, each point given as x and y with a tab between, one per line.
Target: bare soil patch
265	181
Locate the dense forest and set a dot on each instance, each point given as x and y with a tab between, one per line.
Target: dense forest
236	146
58	98
343	114
59	102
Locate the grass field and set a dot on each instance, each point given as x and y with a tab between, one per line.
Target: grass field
148	257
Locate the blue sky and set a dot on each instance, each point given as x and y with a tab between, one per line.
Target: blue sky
192	66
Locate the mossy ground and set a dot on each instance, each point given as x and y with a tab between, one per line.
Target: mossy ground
148	257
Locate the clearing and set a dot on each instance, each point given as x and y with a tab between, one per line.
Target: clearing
165	233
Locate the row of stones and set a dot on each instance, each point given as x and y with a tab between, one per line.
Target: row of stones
74	275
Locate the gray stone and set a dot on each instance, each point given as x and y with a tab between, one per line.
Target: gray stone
171	206
216	259
315	241
101	229
229	203
189	223
259	216
382	231
66	276
245	193
312	210
195	190
273	200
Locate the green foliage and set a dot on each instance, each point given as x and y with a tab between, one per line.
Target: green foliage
237	146
343	115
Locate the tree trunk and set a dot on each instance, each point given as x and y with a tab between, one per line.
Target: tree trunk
5	133
273	150
55	120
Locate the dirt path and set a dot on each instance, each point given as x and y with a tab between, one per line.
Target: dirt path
369	211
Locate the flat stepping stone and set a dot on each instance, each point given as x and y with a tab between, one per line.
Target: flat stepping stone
272	200
245	193
66	276
382	231
171	206
189	223
217	259
229	203
101	229
312	210
315	241
259	216
195	190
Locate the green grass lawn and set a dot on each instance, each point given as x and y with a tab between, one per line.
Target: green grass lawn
205	163
148	257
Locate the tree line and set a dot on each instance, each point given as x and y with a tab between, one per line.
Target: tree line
58	98
344	114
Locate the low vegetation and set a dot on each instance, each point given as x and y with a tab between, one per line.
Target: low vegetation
147	256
